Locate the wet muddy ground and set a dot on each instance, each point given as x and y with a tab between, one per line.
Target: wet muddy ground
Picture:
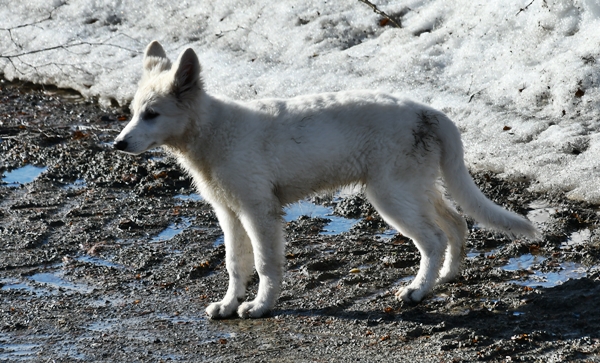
109	257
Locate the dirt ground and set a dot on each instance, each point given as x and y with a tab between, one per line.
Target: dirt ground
106	257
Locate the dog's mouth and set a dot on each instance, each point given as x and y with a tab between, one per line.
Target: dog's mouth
125	146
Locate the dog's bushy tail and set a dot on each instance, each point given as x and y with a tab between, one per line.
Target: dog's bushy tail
466	193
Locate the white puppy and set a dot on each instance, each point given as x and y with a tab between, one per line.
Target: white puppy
250	159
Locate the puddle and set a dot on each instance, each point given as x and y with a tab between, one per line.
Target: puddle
524	262
56	281
219	241
14	284
338	225
540	212
99	261
18	285
305	208
76	185
182	319
206	331
105	301
387	234
101	326
172	230
17	352
292	212
566	271
51	280
189	197
23	175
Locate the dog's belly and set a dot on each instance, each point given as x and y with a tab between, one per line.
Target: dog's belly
290	191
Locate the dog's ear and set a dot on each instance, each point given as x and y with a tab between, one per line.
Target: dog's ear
186	78
156	58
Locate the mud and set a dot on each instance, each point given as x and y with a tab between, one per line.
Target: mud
112	258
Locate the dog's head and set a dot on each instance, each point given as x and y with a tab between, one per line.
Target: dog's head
162	103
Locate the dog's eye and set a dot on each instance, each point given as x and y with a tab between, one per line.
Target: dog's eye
150	115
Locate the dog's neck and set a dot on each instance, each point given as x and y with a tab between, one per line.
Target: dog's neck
199	131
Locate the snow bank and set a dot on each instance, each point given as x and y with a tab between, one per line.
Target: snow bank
520	78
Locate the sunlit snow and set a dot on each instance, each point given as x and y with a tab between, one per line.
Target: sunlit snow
520	77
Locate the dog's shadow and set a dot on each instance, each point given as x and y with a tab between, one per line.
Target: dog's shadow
567	311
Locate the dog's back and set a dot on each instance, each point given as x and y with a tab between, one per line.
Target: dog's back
325	141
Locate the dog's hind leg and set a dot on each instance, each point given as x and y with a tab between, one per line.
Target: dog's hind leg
456	229
412	214
238	260
263	224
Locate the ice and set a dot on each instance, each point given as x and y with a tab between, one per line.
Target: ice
172	230
521	78
336	225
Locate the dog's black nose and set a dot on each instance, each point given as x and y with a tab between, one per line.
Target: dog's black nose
120	145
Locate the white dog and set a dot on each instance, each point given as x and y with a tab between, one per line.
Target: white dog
250	159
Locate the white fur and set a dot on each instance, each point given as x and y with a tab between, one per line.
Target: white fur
250	159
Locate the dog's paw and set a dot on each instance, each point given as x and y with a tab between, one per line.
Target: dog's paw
220	310
410	295
252	309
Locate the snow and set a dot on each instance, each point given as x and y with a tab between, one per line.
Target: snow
520	77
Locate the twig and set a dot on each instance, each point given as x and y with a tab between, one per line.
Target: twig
66	47
469	90
10	30
14	65
222	33
49	17
379	12
525	8
475	94
69	47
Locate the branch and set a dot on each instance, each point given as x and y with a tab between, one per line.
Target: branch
49	17
66	47
10	30
223	32
379	12
22	64
475	94
525	8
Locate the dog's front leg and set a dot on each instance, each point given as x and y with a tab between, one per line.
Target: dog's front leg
239	261
264	227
